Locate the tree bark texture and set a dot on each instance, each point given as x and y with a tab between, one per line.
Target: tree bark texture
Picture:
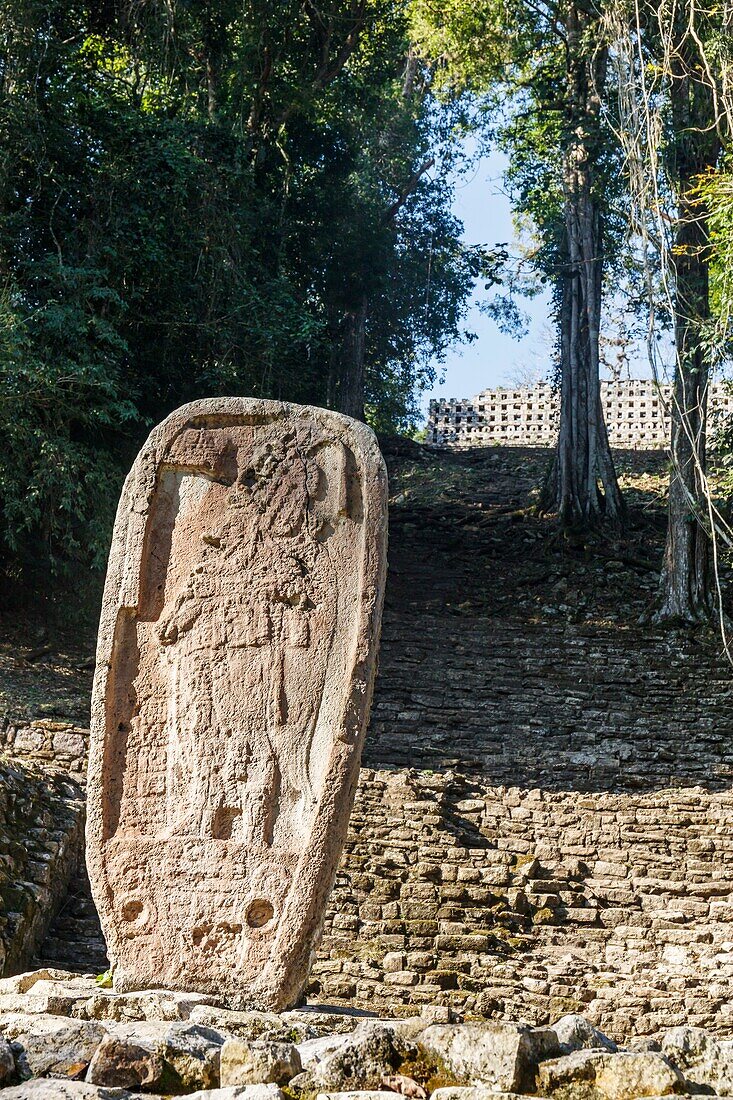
685	582
348	326
686	592
582	487
346	369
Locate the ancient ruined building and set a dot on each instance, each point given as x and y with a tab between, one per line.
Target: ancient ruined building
235	669
636	412
543	817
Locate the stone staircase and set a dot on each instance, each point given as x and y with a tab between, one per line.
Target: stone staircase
74	941
542	823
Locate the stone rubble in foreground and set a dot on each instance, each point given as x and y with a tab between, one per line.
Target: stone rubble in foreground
63	1037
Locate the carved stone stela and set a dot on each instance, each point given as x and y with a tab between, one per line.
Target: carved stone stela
235	666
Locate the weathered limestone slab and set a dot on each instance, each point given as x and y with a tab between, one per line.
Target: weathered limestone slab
59	993
258	1062
50	1046
236	658
498	1054
602	1075
41	1089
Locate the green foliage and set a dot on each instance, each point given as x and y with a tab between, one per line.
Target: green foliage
714	196
470	46
189	195
61	397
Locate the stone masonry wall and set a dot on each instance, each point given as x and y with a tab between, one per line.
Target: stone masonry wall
42	766
46	742
636	412
544	818
41	841
601	885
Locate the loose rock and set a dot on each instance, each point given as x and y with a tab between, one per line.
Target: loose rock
193	1055
361	1060
124	1063
590	1074
575	1033
172	1058
51	1046
706	1062
313	1051
255	1063
502	1056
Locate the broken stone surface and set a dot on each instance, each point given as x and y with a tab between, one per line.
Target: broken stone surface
258	1063
192	1054
44	1089
269	1026
22	983
500	1055
236	660
240	1092
601	1075
313	1051
294	1026
158	1056
574	1032
706	1063
317	1020
47	1046
154	1004
61	993
363	1059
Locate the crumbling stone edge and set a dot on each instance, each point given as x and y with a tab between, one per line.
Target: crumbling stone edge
65	1036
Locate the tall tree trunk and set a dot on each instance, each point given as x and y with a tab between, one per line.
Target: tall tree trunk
346	369
348	325
685	581
686	573
582	487
214	45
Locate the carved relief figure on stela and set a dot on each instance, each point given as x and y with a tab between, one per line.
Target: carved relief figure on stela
239	724
237	653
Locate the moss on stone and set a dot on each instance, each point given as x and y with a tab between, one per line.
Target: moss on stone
429	1070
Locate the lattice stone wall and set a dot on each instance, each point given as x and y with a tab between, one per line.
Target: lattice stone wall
636	412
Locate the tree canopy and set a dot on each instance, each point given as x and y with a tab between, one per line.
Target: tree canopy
202	198
192	195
